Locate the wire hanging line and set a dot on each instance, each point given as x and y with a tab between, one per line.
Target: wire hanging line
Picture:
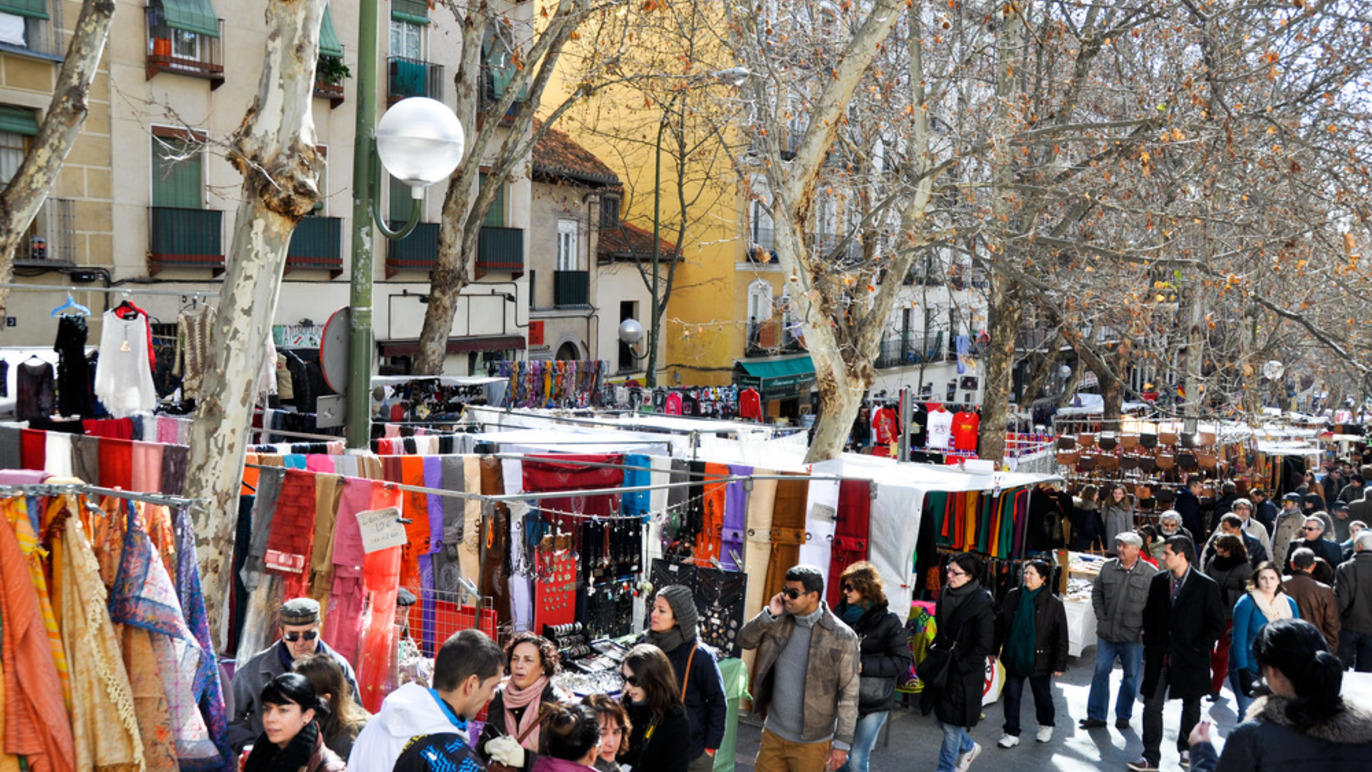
76	489
627	426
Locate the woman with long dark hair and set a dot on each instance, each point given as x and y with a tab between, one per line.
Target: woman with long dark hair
1118	514
672	623
1302	722
614	730
1230	569
966	620
661	737
884	651
291	740
517	707
345	717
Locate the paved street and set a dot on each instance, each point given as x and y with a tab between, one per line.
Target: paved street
914	738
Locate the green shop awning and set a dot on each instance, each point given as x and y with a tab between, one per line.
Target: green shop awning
196	16
328	38
414	11
17	120
775	378
34	9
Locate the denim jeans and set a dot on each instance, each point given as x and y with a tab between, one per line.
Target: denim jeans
1042	687
864	738
1355	649
1130	656
1241	700
956	742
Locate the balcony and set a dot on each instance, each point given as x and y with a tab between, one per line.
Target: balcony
571	288
407	77
769	337
49	247
491	92
416	252
500	249
328	80
185	53
184	238
915	349
317	245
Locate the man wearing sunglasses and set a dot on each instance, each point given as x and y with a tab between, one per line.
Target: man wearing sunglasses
299	639
1312	538
805	678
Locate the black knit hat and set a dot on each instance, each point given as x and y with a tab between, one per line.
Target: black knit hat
683	604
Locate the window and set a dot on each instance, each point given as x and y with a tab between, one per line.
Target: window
759	301
567	246
609	212
497	51
495	216
22	22
185	45
759	224
16	126
407	39
178	175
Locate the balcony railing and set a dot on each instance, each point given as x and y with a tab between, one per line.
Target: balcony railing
914	349
184	238
500	249
768	337
416	252
406	77
184	53
49	245
571	288
42	38
328	80
317	245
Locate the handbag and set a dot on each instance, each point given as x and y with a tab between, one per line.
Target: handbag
933	669
875	690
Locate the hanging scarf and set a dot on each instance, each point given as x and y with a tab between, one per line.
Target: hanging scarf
528	699
1277	608
267	757
1020	644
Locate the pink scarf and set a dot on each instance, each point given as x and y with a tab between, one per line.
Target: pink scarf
528	699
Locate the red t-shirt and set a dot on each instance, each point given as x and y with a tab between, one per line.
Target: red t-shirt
884	423
965	427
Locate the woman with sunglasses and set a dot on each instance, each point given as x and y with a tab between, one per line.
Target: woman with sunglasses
965	617
661	736
672	627
518	706
1031	636
884	651
291	739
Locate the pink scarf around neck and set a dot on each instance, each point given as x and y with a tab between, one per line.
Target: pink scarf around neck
528	699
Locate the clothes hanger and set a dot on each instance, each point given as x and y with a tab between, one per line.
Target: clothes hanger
70	304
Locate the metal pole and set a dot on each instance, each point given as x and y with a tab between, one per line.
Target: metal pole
651	374
360	297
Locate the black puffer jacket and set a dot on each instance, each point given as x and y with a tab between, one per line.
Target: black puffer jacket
884	649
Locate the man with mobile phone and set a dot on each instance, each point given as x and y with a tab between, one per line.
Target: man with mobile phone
299	639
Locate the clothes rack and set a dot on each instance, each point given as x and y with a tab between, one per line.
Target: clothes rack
72	489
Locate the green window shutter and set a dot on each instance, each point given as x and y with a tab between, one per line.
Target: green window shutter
413	11
328	38
34	9
176	181
495	216
196	16
17	120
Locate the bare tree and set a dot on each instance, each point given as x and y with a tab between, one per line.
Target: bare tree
274	150
37	175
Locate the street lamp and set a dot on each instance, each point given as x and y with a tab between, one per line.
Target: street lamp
420	142
630	333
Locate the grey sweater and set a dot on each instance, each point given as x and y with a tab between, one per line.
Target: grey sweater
786	715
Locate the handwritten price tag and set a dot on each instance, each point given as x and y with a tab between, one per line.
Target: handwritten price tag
381	529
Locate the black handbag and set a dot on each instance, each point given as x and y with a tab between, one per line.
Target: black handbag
875	690
933	669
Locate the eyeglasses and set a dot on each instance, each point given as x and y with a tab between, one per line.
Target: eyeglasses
308	635
792	593
849	588
631	679
956	571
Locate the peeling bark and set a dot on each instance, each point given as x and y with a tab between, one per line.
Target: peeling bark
274	150
37	175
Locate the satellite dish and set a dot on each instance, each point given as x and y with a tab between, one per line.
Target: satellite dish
1272	369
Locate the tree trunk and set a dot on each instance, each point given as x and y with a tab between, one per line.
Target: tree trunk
274	150
1005	310
30	186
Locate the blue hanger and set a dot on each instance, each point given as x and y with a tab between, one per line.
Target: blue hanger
71	305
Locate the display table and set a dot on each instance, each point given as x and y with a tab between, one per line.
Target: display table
1081	625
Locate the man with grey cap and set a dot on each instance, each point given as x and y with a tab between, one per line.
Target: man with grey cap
1290	520
299	639
672	624
1118	596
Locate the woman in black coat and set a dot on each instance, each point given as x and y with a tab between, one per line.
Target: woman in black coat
661	736
966	622
884	647
1031	636
672	624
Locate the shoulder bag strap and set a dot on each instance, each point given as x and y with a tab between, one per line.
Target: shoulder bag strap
686	679
542	714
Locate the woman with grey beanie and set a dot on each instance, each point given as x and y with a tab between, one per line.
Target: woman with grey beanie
672	625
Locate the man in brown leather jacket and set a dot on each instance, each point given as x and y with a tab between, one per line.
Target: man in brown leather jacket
805	678
1316	600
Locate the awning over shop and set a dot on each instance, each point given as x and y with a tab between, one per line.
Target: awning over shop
775	378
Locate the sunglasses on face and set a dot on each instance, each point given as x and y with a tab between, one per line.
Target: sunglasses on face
630	679
1310	528
956	572
792	593
308	635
